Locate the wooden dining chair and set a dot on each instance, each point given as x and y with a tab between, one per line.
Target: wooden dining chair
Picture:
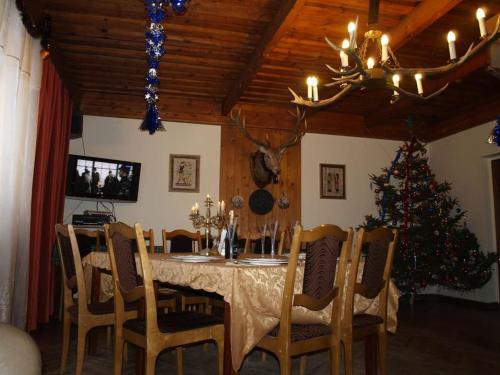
323	284
149	235
181	241
374	283
126	234
155	333
86	316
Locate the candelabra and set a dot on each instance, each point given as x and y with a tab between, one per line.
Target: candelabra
208	221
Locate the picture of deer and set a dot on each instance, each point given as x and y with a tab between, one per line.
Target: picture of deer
265	162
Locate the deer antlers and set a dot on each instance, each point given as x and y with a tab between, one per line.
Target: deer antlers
266	145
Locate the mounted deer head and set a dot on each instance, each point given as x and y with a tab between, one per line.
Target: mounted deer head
265	162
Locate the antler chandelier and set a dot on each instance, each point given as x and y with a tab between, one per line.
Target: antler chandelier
359	71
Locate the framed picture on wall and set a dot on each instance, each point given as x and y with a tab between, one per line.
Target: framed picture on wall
332	181
184	173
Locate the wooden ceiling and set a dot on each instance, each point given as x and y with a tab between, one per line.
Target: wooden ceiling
245	53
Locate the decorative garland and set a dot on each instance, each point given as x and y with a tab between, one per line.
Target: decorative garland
155	49
495	133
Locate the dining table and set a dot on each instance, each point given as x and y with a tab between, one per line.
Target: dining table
252	292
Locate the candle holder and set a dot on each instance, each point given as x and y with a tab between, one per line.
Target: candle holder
208	221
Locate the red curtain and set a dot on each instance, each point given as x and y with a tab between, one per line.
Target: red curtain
49	180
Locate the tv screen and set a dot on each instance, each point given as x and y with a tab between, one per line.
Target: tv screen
99	178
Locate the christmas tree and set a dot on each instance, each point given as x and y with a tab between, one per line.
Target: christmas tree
435	246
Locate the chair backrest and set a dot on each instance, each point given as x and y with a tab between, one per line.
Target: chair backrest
181	241
323	276
149	291
88	240
72	268
122	246
376	272
130	233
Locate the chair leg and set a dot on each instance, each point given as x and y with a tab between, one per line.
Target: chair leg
178	355
382	352
80	348
125	352
108	336
220	356
150	363
348	356
65	342
285	365
119	344
303	364
335	359
263	356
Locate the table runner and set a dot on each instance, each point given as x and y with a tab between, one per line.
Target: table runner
253	292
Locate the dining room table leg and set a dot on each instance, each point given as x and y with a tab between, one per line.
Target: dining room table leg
228	362
95	295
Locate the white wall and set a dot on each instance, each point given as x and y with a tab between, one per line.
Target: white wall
156	207
464	160
361	157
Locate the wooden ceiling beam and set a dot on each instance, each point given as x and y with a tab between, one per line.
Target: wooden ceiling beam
424	15
276	29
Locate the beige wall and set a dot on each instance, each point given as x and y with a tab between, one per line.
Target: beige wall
361	157
464	160
156	207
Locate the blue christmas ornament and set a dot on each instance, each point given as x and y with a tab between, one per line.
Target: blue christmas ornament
152	121
495	133
179	6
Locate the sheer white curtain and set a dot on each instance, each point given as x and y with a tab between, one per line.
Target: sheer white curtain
20	78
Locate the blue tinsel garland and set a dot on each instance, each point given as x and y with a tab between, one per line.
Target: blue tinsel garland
155	49
495	133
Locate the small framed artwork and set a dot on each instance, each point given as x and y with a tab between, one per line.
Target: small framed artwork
332	181
184	173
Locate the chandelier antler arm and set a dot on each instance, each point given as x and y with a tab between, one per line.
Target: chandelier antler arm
342	81
344	73
416	96
358	64
320	103
472	51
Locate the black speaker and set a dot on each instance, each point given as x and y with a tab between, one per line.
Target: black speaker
76	124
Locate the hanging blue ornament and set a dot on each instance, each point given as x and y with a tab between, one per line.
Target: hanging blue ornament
152	121
179	6
495	133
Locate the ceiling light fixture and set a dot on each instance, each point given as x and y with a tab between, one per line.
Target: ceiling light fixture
358	71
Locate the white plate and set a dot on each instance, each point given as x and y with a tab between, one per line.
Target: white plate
263	261
194	258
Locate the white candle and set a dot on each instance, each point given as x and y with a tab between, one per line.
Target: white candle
351	28
451	45
223	206
418	79
208	196
315	89
196	207
218	207
384	41
193	210
395	80
231	217
480	15
344	59
370	63
309	88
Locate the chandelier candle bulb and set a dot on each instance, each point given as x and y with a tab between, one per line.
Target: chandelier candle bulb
223	206
451	45
309	88
351	28
395	80
315	89
481	15
418	79
344	59
370	63
384	41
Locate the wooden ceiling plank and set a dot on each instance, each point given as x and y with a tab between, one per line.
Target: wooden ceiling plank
275	30
424	15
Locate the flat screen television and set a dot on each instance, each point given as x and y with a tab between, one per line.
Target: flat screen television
102	179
